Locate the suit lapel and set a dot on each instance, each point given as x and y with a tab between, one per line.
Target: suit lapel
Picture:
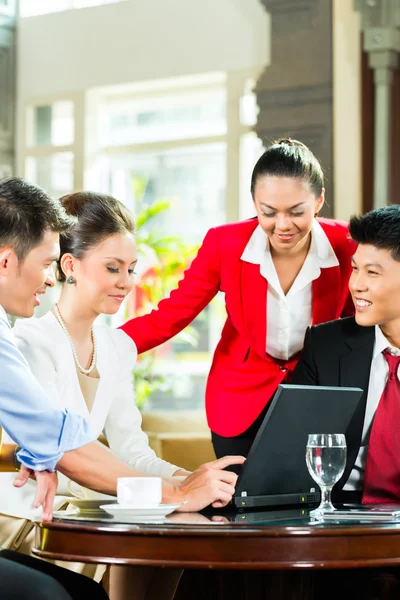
326	295
254	305
354	370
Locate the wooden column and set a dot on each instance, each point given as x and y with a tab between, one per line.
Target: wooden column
381	43
7	87
394	151
295	92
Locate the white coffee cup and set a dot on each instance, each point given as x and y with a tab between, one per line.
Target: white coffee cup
139	491
84	493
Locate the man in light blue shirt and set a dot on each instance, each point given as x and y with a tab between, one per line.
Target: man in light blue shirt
30	225
27	415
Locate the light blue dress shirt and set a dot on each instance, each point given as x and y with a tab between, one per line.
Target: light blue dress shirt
27	415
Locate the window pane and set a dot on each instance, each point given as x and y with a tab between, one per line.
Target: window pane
161	118
7	7
29	8
86	3
51	125
192	180
248	105
251	148
54	173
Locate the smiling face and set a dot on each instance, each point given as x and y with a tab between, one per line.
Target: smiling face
375	288
23	282
285	209
104	276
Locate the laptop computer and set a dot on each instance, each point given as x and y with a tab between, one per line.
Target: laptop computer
275	472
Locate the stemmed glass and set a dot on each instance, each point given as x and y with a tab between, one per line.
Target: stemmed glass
326	455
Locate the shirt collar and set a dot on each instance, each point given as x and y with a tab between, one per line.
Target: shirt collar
320	247
381	344
3	316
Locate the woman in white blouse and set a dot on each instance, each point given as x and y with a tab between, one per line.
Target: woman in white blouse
88	367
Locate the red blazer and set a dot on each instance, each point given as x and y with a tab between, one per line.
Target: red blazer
243	377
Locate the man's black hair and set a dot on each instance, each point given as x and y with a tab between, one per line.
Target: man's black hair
380	228
26	213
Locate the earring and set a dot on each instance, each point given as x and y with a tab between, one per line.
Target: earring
71	280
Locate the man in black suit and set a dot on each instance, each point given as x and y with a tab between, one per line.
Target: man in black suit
364	351
340	353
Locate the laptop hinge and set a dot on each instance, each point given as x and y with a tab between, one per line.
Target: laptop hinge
245	501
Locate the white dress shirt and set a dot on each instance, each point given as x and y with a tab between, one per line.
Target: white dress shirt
377	380
288	316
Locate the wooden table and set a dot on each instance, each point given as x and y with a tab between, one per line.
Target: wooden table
195	541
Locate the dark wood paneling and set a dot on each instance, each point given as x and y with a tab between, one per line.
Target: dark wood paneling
295	92
368	137
395	140
367	131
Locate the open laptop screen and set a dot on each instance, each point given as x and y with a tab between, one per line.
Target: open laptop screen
276	463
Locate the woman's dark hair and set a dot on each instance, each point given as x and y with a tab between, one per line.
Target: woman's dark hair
289	158
26	213
380	228
98	216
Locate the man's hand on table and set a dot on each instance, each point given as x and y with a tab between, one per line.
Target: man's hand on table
209	484
46	487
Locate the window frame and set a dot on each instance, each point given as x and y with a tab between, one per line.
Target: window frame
77	148
85	151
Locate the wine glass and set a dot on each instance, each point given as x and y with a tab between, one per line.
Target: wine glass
326	455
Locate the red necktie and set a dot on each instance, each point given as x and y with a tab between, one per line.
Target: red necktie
382	469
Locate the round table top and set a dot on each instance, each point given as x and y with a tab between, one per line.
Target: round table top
251	540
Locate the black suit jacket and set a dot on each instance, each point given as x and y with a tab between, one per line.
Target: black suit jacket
339	353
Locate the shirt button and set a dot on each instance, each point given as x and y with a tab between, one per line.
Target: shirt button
284	369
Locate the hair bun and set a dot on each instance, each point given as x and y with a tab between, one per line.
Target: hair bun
74	203
289	142
287	157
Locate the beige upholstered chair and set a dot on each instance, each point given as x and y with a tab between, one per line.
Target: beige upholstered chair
180	437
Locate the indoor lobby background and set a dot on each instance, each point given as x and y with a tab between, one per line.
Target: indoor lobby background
166	104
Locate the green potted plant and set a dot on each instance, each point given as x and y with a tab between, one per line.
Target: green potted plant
165	258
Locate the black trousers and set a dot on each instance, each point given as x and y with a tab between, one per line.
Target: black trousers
27	578
239	444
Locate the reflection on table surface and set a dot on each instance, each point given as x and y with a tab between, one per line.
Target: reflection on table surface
287	517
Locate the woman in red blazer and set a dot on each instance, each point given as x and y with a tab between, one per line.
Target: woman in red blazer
280	272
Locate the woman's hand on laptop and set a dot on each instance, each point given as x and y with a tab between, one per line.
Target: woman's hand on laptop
209	484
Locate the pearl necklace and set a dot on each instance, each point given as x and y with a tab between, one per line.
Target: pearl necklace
65	330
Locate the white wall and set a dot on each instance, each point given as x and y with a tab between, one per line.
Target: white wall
139	40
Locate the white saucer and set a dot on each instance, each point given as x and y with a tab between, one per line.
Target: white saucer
89	503
132	511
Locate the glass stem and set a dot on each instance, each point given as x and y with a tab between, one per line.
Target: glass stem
326	502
